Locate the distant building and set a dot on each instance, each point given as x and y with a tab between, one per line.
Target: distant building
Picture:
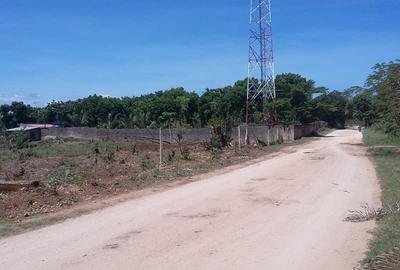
34	133
38	125
34	130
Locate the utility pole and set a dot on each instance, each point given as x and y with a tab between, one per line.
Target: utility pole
261	67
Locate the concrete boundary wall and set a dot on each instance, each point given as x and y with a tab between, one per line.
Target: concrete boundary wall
168	135
266	134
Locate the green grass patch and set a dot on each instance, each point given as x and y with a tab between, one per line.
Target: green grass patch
374	137
67	149
385	152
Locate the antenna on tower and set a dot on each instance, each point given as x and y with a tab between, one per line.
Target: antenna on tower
261	70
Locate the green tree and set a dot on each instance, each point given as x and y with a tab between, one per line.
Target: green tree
331	108
285	111
363	108
295	98
384	83
224	104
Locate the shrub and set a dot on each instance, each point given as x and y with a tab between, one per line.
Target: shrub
220	137
177	170
171	156
180	133
213	144
62	176
133	150
107	152
146	163
53	183
19	140
236	147
391	123
24	154
110	155
186	153
214	153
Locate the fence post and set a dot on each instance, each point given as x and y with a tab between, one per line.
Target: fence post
170	134
239	137
268	139
161	148
277	135
246	137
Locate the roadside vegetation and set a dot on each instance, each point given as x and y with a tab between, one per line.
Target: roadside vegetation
71	172
378	107
385	151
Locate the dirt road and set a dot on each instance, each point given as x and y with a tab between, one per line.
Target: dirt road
282	213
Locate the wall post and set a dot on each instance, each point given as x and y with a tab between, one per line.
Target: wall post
161	160
239	137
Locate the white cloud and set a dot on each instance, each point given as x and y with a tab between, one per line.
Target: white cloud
33	99
106	95
10	98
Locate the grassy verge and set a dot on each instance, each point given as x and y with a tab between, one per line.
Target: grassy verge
385	153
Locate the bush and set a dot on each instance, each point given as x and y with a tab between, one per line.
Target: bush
146	163
107	151
61	177
213	144
171	156
26	154
391	123
186	153
19	140
214	153
220	138
180	133
236	145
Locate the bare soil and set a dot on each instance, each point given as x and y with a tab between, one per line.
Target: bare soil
74	173
284	212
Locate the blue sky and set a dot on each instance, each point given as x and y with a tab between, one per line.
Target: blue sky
66	49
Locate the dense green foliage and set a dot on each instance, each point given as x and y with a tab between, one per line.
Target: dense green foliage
331	108
298	101
379	103
295	102
173	107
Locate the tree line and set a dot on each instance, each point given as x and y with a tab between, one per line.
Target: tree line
298	101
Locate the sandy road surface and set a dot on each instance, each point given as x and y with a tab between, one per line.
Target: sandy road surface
282	213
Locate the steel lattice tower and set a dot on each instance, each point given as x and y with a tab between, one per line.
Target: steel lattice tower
261	70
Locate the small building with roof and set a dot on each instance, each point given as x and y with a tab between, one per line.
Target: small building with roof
34	133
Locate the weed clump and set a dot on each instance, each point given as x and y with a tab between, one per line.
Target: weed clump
146	163
186	153
62	176
220	138
19	140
